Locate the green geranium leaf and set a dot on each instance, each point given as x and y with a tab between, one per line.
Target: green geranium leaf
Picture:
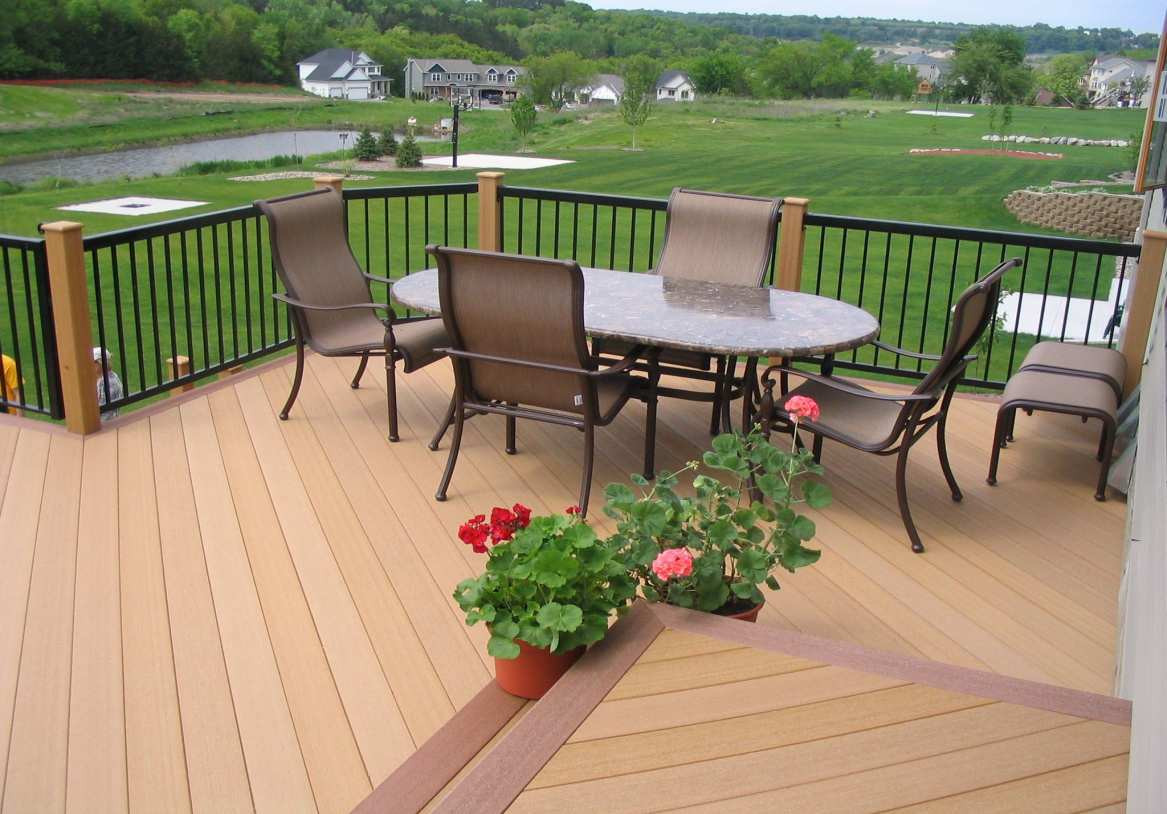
721	533
502	648
580	536
817	494
652	517
559	617
743	590
798	556
772	583
507	628
725	444
617	493
802	528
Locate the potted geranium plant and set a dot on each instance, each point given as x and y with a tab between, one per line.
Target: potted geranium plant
713	551
548	590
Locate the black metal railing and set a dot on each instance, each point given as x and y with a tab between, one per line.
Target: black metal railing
906	274
909	274
29	377
200	287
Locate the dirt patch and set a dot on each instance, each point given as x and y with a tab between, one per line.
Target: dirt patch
380	165
1030	154
207	96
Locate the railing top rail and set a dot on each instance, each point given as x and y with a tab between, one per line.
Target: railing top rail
572	196
1021	239
405	191
20	241
168	227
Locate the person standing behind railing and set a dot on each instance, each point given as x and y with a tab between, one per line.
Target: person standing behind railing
109	386
9	385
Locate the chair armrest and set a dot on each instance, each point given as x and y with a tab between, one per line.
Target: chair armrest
843	387
375	279
630	359
294	303
930	357
508	360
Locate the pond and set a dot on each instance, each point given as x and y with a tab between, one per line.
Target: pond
144	161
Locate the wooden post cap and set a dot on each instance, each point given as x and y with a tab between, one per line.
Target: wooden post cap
330	181
60	226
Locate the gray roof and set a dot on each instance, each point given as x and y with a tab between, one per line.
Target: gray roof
670	74
329	61
464	66
921	59
613	81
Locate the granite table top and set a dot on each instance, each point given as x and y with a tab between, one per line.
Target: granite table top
715	318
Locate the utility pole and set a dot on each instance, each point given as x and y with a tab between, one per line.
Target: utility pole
454	132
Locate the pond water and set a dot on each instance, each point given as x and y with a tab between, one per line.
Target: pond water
144	161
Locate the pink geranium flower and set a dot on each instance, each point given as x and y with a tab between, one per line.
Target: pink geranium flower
673	562
803	408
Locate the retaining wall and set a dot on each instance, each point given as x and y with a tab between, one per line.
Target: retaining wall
1094	214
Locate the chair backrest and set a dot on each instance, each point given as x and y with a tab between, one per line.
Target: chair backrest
313	259
515	307
970	317
718	237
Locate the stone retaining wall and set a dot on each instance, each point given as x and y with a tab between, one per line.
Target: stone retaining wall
1095	214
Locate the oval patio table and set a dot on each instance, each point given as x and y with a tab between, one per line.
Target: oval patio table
714	318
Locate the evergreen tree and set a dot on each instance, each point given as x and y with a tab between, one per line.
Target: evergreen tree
366	148
408	153
388	142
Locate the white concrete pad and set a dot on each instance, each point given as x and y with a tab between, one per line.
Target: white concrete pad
940	113
482	161
132	205
1085	319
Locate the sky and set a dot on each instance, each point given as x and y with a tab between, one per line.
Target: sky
1136	15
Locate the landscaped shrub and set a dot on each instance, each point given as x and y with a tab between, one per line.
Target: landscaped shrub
366	147
408	153
388	143
228	165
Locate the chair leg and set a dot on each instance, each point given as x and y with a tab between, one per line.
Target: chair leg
749	387
718	396
360	370
455	445
296	379
1101	454
999	430
727	393
1109	431
585	485
511	448
1008	437
945	466
902	495
650	420
391	395
817	449
436	441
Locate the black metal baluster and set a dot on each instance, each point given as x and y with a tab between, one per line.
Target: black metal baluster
595	229
466	221
119	317
556	238
408	265
231	283
612	242
445	219
818	280
575	231
1017	313
259	298
883	290
1118	304
1093	295
218	292
904	296
862	281
368	253
17	356
927	304
522	228
170	302
138	345
651	237
632	238
186	298
203	297
1070	295
100	313
538	227
993	321
1049	267
842	264
951	293
151	278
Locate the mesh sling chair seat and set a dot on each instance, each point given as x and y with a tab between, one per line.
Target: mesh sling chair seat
519	349
328	293
713	237
890	423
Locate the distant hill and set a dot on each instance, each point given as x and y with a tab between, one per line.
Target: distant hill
1039	38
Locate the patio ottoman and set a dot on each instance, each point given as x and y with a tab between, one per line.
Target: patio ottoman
1071	359
1032	390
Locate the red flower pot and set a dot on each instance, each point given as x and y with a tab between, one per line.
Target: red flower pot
747	615
535	670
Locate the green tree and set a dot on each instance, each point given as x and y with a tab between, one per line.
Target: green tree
720	72
365	147
1064	76
523	118
990	63
387	144
408	153
640	73
553	80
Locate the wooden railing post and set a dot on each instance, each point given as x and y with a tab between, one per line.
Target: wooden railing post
489	236
179	366
330	182
1139	311
791	242
70	295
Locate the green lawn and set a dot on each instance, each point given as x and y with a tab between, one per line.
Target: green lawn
831	152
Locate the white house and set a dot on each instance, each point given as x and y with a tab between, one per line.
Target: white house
603	88
339	73
1111	79
675	86
926	67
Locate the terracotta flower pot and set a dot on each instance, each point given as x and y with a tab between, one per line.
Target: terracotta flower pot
535	670
747	615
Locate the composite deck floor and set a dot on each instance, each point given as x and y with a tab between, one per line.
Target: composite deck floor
203	608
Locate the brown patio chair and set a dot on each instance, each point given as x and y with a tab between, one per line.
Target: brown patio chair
333	311
519	349
890	423
714	237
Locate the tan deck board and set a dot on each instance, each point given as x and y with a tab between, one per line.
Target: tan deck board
40	725
97	722
311	570
704	671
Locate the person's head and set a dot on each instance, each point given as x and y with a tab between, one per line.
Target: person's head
99	354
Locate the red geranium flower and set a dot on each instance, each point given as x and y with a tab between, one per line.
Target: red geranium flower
523	514
474	533
573	510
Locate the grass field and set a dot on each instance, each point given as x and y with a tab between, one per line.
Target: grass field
834	153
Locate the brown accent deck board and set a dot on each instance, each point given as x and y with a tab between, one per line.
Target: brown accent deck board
1032	556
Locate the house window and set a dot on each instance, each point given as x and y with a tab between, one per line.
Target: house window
510	79
684	94
672	92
